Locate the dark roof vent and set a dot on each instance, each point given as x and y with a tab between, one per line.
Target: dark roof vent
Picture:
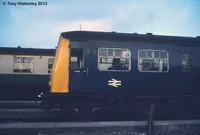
19	47
135	33
149	34
113	31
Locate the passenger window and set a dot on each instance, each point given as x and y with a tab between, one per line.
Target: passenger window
186	62
23	64
153	61
76	59
50	64
114	59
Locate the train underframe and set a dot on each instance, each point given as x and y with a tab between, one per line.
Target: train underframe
134	107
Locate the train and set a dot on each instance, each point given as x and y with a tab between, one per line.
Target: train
24	73
97	69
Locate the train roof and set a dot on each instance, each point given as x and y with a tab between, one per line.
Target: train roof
26	51
130	37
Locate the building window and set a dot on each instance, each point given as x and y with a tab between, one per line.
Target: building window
114	59
23	64
50	64
186	62
153	61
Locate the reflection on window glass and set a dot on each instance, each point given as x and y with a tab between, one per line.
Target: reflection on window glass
156	54
149	54
142	54
110	52
126	54
156	61
102	52
118	53
116	59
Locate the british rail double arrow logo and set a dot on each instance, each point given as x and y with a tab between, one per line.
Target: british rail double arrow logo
115	83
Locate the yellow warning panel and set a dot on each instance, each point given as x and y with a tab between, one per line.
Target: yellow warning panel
60	71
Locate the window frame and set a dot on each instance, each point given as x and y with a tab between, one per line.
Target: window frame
130	61
146	50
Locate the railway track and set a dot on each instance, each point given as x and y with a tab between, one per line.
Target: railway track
34	120
30	112
38	115
19	104
183	127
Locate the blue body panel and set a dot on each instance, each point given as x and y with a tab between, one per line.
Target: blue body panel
135	82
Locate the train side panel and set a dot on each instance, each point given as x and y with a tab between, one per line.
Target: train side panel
6	65
40	65
178	78
23	85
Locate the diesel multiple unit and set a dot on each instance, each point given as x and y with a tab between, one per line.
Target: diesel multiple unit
107	69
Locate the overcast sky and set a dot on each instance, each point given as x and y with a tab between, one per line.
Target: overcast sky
40	26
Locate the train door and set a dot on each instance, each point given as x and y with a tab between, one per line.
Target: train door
78	73
188	73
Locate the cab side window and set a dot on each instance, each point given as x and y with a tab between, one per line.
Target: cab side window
76	59
153	60
114	59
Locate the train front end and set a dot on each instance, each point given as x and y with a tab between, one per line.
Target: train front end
59	79
60	71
